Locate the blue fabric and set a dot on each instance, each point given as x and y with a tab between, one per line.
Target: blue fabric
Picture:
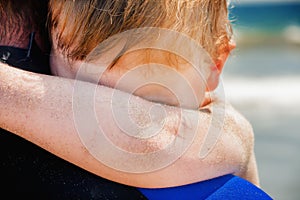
238	188
225	187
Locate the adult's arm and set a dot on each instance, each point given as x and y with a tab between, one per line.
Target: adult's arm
40	108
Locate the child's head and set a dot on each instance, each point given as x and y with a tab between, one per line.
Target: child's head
79	26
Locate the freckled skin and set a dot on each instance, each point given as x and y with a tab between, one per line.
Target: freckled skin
236	135
50	99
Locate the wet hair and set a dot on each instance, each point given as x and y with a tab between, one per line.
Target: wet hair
20	18
78	26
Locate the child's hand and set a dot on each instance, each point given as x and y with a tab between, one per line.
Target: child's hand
213	97
207	100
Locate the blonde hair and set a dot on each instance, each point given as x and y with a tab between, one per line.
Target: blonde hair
80	25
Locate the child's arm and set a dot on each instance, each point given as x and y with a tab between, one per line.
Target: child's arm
244	130
251	172
248	169
39	109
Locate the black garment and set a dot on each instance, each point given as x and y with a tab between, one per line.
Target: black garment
30	59
28	171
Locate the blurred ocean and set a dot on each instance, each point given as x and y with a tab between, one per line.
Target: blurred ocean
262	80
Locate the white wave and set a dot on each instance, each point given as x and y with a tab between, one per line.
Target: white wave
245	35
283	92
292	34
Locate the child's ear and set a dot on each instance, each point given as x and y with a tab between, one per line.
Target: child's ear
213	79
220	61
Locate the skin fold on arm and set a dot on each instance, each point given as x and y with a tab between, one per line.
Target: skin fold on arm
39	108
